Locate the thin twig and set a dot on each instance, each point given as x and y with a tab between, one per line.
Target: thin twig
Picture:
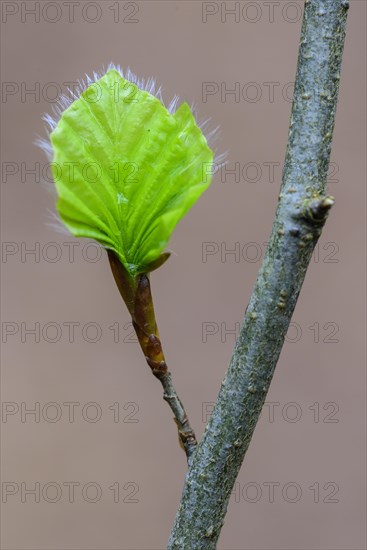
137	295
186	434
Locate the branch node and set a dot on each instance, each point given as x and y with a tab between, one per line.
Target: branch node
316	211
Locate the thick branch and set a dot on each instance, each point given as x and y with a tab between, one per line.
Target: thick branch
301	213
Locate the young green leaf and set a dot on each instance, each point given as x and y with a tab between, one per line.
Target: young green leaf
126	169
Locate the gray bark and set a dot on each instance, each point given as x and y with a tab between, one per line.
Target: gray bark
301	213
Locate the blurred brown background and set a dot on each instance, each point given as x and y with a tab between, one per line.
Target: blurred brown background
302	485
